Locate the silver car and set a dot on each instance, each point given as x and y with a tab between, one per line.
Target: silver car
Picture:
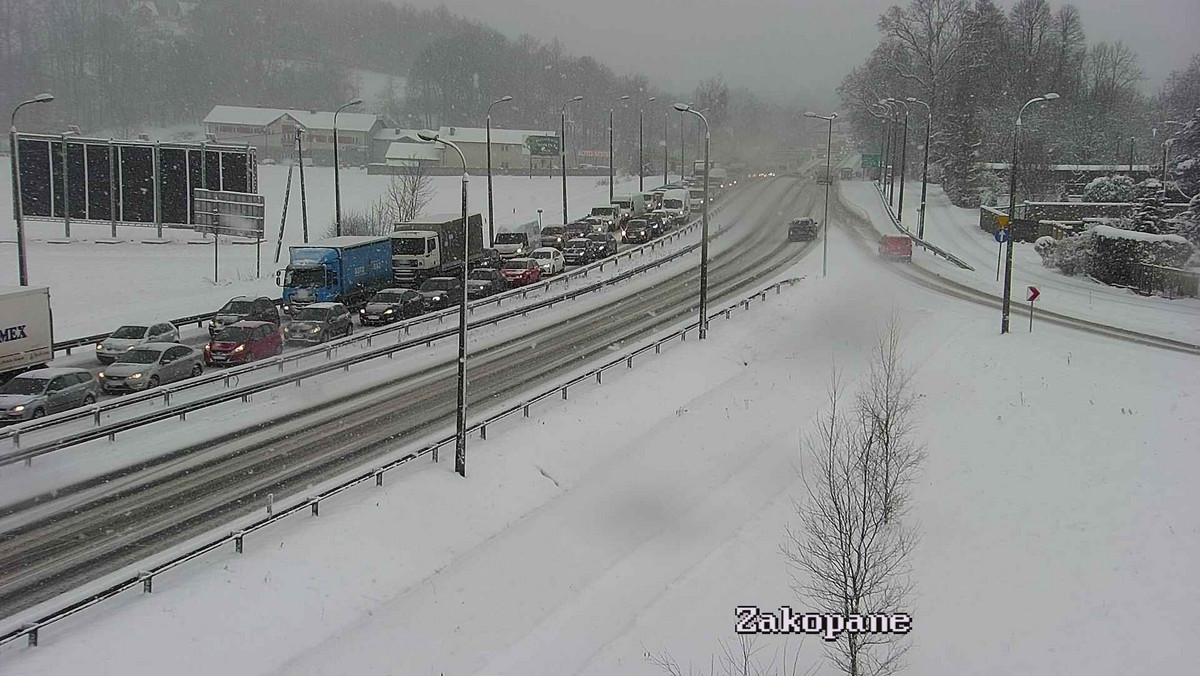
132	335
40	392
151	365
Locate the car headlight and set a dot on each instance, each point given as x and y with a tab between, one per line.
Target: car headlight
315	329
130	348
18	409
240	348
135	376
99	346
436	299
212	322
362	311
388	311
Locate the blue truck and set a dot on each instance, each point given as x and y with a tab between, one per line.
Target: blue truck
347	270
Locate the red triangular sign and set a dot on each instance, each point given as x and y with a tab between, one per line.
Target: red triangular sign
1033	294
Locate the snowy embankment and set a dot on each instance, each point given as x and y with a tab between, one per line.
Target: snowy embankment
1056	500
956	230
96	287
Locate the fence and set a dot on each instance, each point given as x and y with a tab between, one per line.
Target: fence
73	343
1171	282
145	578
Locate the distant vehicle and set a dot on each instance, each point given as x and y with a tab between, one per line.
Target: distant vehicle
512	244
632	205
521	271
895	247
150	365
846	173
317	323
40	392
578	251
599	224
603	245
696	195
26	329
550	260
651	200
659	223
577	229
491	259
803	230
484	282
637	231
132	335
347	270
677	203
391	305
443	292
243	342
609	212
555	236
261	309
433	247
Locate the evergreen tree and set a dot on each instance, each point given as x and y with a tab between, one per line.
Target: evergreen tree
1149	214
1185	158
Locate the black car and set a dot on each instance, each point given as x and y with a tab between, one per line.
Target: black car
391	305
483	282
578	251
637	231
554	236
602	244
261	309
491	259
658	225
803	230
441	292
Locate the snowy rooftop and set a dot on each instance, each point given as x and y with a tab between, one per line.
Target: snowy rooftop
1077	167
479	135
1118	233
260	117
413	151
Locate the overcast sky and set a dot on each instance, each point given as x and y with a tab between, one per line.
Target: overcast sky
784	48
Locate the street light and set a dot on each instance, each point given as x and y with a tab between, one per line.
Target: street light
72	130
686	108
892	122
562	148
641	162
882	117
22	265
337	184
460	446
925	169
828	158
1012	208
491	215
682	149
611	177
666	121
903	159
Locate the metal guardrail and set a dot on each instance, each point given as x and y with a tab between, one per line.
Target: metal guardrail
312	503
99	431
937	251
96	410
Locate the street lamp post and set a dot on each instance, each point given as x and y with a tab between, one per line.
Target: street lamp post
562	147
903	159
460	445
893	122
491	211
1166	146
925	169
882	142
666	121
66	179
1012	208
611	174
22	263
825	220
686	108
337	183
641	145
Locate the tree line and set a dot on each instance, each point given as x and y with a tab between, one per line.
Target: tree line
976	65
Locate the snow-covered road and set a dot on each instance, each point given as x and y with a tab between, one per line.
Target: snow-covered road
1055	501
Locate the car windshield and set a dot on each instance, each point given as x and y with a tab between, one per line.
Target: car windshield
127	332
408	246
635	224
481	274
577	243
598	238
438	284
25	386
237	307
515	265
300	278
312	314
386	298
543	254
140	357
553	231
509	238
234	334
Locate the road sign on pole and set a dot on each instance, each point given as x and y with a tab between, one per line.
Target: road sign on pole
1001	236
1031	295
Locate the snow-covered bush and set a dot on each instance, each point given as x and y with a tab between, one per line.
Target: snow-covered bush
990	189
1044	246
1073	255
1117	252
1109	189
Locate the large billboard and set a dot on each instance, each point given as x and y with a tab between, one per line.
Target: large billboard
126	182
542	146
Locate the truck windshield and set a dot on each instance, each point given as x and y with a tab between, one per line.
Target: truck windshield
510	238
408	246
673	204
299	278
602	211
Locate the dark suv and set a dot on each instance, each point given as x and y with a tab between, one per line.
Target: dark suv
803	230
637	231
261	309
441	292
603	244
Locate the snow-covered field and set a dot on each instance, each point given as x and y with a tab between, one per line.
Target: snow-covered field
96	287
1056	507
956	230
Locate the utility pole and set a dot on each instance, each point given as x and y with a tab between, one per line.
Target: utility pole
666	120
562	146
828	160
925	170
303	196
18	208
903	159
682	108
491	207
641	145
337	179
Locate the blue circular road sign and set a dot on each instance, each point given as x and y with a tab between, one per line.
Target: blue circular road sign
1001	235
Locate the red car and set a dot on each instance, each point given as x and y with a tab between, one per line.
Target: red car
521	271
895	247
243	342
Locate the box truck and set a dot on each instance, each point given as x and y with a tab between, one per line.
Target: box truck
433	247
347	270
26	329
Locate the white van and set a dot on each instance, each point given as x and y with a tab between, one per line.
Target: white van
677	202
633	205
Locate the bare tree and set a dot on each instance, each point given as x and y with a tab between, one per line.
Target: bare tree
849	555
409	193
374	220
741	659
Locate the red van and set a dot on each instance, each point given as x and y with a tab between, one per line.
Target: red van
895	247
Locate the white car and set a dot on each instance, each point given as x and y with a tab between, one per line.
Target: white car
550	260
132	335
